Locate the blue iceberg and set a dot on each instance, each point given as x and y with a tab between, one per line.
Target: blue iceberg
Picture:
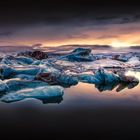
79	55
100	77
57	79
104	80
9	72
18	84
45	92
12	60
3	87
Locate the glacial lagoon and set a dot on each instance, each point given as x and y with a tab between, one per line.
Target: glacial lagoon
80	95
70	78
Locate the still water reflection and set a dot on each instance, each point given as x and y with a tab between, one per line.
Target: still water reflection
90	94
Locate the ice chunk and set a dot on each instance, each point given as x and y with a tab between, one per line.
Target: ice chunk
79	55
100	77
134	61
104	80
3	87
12	60
28	70
46	92
79	67
34	54
36	62
128	78
67	80
24	60
18	84
125	57
8	72
82	51
105	63
25	77
58	79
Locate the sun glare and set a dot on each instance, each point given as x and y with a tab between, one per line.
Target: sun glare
118	44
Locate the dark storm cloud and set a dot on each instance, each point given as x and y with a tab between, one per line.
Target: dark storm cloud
64	12
6	34
56	20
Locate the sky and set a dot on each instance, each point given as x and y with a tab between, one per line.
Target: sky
55	23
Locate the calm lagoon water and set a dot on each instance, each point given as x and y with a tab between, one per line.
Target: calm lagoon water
85	94
83	112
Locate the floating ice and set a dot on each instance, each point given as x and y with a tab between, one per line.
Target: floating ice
80	67
12	60
126	56
3	87
46	92
57	79
104	80
25	77
18	84
34	54
134	61
100	77
79	55
9	71
33	74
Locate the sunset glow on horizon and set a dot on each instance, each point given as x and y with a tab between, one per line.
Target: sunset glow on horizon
115	35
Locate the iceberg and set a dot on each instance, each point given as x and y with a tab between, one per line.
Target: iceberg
104	80
14	61
134	61
37	54
79	67
79	55
18	84
9	71
25	77
45	92
3	87
100	77
57	79
41	75
125	57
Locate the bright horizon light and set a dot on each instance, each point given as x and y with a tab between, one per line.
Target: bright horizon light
118	44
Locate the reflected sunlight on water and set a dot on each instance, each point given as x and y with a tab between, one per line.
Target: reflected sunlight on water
133	73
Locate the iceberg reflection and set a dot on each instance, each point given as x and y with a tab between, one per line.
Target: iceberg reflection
44	77
119	86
